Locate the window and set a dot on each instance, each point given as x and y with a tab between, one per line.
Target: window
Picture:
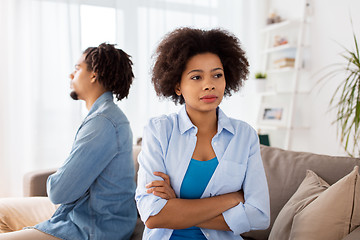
98	25
137	27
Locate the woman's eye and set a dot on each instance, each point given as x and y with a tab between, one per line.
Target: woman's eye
219	75
195	77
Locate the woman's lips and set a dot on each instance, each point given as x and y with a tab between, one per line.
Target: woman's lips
209	98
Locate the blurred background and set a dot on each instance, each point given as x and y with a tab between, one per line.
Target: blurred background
41	41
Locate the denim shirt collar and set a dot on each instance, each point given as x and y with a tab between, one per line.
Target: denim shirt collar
106	96
185	123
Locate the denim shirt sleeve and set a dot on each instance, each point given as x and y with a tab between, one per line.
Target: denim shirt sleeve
151	159
85	162
254	214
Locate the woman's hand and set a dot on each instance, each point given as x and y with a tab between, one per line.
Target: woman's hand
160	188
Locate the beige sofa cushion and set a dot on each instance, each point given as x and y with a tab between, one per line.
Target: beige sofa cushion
333	215
308	191
285	170
17	213
318	211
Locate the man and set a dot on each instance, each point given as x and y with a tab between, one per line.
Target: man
95	187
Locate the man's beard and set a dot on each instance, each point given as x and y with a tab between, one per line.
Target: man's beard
74	95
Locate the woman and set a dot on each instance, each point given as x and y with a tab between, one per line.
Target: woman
201	174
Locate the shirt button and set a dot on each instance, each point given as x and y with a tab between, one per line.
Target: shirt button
215	143
207	234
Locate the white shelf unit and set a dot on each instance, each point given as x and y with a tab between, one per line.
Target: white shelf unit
280	48
282	90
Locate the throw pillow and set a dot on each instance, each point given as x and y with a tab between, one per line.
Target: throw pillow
311	187
333	214
17	213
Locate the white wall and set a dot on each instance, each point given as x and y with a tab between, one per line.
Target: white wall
329	27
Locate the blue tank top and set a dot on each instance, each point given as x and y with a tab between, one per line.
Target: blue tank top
194	183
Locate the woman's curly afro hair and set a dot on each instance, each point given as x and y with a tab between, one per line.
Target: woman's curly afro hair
178	46
113	68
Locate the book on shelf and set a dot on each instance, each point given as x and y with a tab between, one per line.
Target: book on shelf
284	62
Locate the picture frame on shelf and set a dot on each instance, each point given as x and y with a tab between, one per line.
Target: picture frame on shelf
272	115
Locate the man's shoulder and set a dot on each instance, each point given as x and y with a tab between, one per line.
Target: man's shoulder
109	124
109	112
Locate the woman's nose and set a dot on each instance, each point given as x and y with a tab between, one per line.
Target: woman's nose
209	88
208	85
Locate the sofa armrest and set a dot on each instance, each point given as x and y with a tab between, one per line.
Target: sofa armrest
34	183
354	235
17	213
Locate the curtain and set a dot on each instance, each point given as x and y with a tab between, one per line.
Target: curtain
39	43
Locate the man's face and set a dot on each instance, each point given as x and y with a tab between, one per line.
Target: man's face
81	80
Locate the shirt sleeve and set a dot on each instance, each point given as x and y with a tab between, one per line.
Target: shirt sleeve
94	147
254	214
151	159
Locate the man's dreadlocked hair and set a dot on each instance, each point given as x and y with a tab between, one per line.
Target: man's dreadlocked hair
113	68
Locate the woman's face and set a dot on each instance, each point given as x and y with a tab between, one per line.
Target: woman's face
202	83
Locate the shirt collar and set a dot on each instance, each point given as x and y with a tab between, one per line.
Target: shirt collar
223	121
184	121
106	96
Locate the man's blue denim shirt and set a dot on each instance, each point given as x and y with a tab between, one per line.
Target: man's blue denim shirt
167	146
95	186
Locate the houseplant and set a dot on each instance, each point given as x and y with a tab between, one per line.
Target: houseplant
260	81
348	104
260	75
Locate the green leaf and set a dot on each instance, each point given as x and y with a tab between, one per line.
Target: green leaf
346	97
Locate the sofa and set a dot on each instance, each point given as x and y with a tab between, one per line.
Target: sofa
288	173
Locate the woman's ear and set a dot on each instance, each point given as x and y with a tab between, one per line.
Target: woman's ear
177	89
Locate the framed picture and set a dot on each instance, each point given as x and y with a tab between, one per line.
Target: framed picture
273	115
